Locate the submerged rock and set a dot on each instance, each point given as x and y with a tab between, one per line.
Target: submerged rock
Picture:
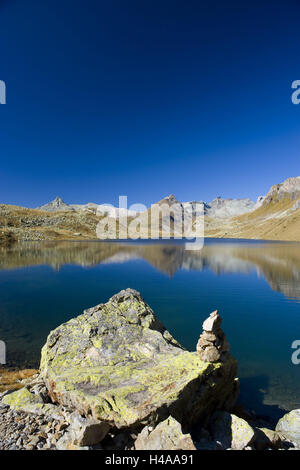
118	364
167	435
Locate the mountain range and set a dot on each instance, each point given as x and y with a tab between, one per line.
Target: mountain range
217	208
220	208
275	216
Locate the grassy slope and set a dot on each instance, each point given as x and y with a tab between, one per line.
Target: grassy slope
274	221
11	379
34	224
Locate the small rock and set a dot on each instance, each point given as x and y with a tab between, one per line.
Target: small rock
86	431
66	443
213	322
289	427
167	435
34	440
231	431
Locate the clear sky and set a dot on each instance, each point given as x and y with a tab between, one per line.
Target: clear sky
147	98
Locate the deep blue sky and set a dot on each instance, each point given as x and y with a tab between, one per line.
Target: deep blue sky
146	98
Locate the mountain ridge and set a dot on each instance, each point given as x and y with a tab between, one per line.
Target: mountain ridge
275	216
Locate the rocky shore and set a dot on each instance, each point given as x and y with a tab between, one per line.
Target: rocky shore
115	378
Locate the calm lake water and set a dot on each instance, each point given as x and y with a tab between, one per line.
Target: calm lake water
255	286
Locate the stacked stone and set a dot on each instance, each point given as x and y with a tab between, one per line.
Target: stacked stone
212	345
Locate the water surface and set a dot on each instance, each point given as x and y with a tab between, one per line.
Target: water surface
255	286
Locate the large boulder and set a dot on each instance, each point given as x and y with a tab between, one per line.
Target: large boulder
289	427
119	364
167	435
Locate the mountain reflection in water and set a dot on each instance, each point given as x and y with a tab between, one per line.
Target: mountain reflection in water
278	263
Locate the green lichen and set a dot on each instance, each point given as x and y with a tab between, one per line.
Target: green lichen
24	400
21	398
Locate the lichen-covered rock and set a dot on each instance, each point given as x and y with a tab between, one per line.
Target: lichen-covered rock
230	431
24	400
21	398
118	363
289	427
167	435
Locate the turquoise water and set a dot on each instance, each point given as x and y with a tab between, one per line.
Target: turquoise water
255	286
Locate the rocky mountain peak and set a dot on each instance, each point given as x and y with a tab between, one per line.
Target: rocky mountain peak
56	205
58	201
170	200
291	187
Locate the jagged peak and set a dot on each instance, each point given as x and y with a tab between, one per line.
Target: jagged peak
59	200
55	205
171	199
289	186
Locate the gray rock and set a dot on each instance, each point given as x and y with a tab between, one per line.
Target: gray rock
230	431
289	427
86	431
213	322
66	442
167	435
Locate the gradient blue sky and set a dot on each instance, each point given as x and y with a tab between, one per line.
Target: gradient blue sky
146	98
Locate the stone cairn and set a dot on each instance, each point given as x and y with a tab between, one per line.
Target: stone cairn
213	345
